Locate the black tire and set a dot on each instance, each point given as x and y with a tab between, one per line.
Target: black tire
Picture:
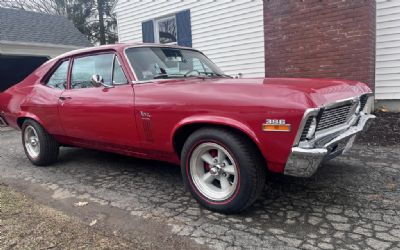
48	146
251	168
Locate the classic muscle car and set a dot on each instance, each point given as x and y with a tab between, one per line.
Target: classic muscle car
173	104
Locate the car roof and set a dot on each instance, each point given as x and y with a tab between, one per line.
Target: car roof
118	47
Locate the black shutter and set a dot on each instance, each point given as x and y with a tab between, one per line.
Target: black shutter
184	28
148	32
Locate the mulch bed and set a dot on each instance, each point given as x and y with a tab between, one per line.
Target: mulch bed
385	131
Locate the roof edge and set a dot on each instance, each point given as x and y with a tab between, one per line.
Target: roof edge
41	44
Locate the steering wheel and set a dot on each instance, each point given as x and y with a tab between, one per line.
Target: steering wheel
190	72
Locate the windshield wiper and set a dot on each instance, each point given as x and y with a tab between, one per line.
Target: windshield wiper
161	76
165	76
223	75
211	74
202	76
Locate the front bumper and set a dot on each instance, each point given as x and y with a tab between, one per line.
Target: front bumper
304	162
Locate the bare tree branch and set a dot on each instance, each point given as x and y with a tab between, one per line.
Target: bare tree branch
91	17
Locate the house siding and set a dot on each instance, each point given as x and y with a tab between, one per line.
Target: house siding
388	50
329	39
230	33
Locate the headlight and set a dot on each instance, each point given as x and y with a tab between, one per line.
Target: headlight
312	128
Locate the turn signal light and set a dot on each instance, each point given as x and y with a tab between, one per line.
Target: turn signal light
276	127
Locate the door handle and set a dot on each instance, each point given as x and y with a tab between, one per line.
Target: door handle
63	98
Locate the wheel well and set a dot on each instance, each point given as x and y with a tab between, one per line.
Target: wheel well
183	133
21	120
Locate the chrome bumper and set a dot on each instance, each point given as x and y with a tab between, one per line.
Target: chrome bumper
304	162
3	122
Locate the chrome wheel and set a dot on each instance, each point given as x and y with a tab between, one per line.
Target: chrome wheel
31	141
213	171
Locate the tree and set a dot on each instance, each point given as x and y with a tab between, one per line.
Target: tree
93	18
54	7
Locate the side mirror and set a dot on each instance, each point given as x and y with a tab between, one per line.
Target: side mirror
97	81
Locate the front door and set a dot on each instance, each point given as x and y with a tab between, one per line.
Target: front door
93	113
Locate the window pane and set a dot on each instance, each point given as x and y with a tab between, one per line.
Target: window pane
84	68
167	30
58	79
119	77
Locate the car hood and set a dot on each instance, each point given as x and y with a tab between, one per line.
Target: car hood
315	92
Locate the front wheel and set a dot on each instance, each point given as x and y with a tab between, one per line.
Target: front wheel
222	169
39	146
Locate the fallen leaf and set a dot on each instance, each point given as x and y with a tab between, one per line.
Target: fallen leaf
81	204
383	109
93	223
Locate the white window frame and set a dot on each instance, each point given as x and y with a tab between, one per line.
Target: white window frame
157	30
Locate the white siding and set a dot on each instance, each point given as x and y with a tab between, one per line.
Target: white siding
387	84
230	33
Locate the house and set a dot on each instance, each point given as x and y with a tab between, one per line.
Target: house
387	78
295	38
27	39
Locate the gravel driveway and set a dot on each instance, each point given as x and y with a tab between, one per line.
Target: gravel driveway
353	202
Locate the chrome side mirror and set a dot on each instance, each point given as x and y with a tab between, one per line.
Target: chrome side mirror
97	81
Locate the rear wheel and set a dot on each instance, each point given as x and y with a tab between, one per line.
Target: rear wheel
222	169
39	146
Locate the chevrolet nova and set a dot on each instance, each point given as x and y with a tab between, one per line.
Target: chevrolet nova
173	104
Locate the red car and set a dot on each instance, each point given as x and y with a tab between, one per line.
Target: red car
173	104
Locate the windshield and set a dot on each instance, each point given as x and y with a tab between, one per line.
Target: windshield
161	63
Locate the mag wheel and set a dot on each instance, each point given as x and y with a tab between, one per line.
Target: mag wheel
31	141
39	146
222	169
213	171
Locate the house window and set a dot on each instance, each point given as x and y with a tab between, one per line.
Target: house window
165	31
173	29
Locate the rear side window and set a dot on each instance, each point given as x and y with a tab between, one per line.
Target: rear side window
58	79
84	68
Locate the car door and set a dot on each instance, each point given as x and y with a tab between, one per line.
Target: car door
92	113
44	100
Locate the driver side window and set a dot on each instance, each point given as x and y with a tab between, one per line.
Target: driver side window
84	68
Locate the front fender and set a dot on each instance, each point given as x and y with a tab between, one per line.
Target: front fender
216	120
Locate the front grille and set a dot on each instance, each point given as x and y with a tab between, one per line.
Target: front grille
335	116
363	101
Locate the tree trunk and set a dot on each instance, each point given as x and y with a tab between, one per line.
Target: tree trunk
100	9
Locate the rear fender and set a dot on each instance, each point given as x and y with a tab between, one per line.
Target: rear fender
26	115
